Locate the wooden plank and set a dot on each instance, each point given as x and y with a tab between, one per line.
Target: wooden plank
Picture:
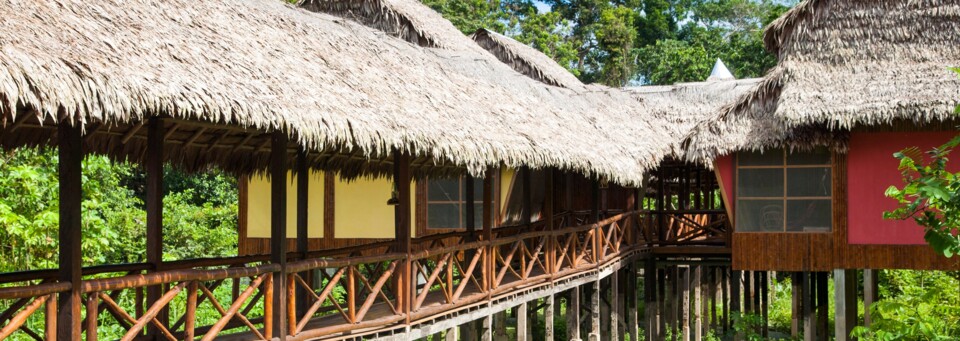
278	230
70	256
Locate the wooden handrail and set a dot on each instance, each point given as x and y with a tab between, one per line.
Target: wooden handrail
33	290
156	278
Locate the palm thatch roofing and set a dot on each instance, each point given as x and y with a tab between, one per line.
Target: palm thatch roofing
227	73
680	107
525	59
843	64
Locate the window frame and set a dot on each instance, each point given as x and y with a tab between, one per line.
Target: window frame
785	198
461	204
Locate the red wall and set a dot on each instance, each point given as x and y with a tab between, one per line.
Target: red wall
725	169
871	169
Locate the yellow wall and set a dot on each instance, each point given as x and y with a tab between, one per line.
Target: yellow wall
506	180
361	210
258	206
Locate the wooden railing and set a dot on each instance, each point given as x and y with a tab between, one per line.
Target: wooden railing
336	291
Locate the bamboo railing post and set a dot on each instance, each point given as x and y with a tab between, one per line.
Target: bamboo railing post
190	322
352	294
70	269
267	305
278	231
50	331
154	209
292	306
92	314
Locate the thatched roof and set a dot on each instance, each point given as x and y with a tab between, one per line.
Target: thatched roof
525	59
409	20
226	72
843	64
680	107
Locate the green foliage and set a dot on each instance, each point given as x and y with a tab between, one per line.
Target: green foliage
930	195
748	325
200	212
917	305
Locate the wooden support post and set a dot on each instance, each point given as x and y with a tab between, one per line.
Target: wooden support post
70	177
548	315
450	335
650	299
486	328
278	230
685	303
809	306
869	293
154	209
714	296
404	281
500	326
796	280
736	286
468	331
845	291
595	311
633	330
697	304
823	309
303	204
522	327
661	304
573	314
725	298
548	213
533	318
488	211
614	316
765	303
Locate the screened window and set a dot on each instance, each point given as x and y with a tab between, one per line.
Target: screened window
779	191
446	203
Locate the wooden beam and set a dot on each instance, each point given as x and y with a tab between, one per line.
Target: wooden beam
404	280
131	132
154	207
70	266
278	230
303	205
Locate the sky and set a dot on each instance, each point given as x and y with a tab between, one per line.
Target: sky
542	7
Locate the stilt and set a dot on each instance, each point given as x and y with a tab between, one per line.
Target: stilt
486	328
650	299
697	303
845	303
662	304
278	230
632	314
765	303
595	312
725	298
522	327
823	309
809	306
468	331
450	335
615	299
714	279
573	314
500	326
533	318
736	284
685	303
796	281
869	293
548	318
154	210
674	302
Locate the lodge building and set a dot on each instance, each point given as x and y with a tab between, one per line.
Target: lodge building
438	185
